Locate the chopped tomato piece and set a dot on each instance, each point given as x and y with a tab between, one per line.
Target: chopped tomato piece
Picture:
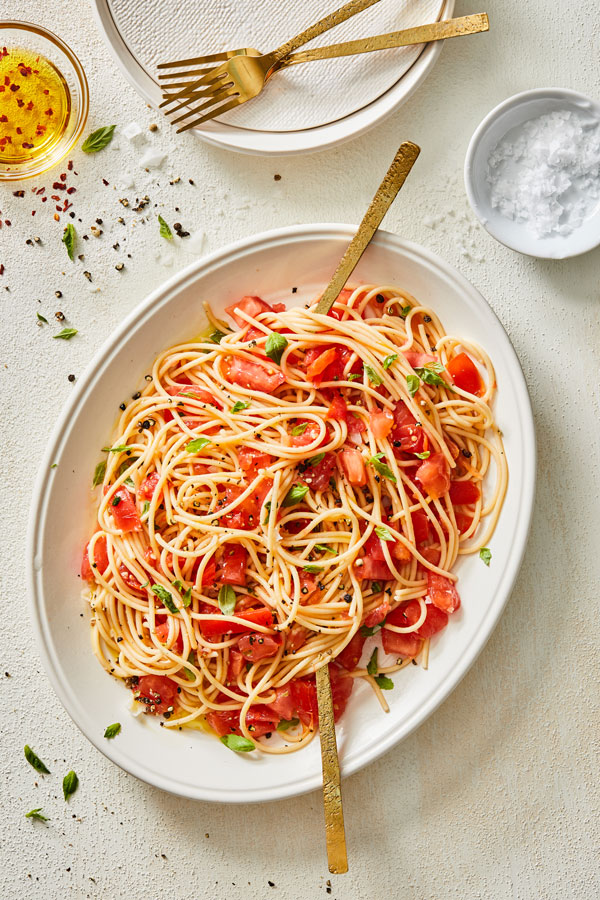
431	554
410	613
157	692
380	423
283	704
304	695
377	615
420	523
316	366
125	514
417	359
434	475
352	652
233	564
405	645
308	586
465	374
260	720
162	633
317	477
257	646
442	592
150	557
407	436
296	637
252	306
235	666
210	570
253	376
308	436
252	460
129	578
100	559
356	429
464	492
374	547
353	466
148	486
374	570
463	523
436	620
405	615
338	409
192	392
213	627
246	515
341	688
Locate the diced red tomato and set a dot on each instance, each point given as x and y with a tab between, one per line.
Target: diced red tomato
434	475
100	559
252	306
410	613
235	665
157	692
278	307
317	477
150	557
431	554
374	570
257	646
420	523
380	423
436	620
129	578
317	365
253	376
405	645
374	547
283	704
210	570
260	720
188	391
342	299
148	486
463	522
465	374
377	615
353	466
260	616
405	615
251	460
304	695
442	592
162	633
338	409
418	360
352	652
246	514
341	688
406	435
464	492
124	511
308	586
233	563
296	637
356	429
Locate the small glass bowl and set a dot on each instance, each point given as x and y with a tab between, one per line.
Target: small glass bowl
40	40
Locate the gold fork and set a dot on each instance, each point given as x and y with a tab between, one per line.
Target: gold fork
249	80
243	75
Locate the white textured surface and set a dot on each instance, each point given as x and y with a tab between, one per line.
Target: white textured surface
300	97
497	795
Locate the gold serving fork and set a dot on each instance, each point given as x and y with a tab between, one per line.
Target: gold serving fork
246	71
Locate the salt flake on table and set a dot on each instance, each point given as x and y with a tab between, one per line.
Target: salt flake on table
152	159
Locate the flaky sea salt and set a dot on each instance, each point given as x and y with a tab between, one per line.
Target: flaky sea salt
546	172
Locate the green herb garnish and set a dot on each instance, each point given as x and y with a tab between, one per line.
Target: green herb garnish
42	318
34	760
485	554
413	383
286	724
429	374
325	549
70	784
384	534
99	473
313	570
385	683
120	448
295	494
36	814
315	460
227	599
381	467
238	743
424	455
217	336
275	345
372	665
112	731
367	630
66	334
68	239
98	139
187	672
376	586
165	597
372	375
238	406
405	311
299	429
164	230
389	360
197	444
353	376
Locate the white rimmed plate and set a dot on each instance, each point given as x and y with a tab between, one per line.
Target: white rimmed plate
124	34
194	764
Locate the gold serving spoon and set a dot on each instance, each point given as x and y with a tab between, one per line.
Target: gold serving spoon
335	837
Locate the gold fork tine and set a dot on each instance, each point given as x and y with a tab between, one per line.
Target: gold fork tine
207	81
208	96
188	97
214	99
212	114
193	73
202	60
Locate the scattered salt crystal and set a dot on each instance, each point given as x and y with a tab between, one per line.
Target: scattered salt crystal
133	133
546	172
152	159
125	180
195	243
429	222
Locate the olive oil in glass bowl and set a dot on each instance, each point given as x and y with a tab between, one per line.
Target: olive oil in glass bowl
43	100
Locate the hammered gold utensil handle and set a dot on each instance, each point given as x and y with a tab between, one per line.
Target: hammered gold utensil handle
386	193
330	21
421	34
335	836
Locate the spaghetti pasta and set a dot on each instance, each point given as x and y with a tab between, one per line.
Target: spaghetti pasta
279	492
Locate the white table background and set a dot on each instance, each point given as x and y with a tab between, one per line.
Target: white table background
497	795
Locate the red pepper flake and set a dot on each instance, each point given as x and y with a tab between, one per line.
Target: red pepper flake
63	176
46	91
41	190
18	193
70	165
104	181
54	197
30	105
33	212
49	111
27	145
19	131
6	80
7	222
20	103
71	190
44	199
2	88
3	118
1	269
59	186
59	208
15	87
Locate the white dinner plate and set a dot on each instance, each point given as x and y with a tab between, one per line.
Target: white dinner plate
303	109
195	764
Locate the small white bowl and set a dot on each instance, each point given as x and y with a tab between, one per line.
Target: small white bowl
516	235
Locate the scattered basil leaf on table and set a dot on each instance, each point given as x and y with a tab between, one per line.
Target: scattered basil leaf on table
36	814
98	139
70	784
42	318
68	239
66	334
34	760
164	230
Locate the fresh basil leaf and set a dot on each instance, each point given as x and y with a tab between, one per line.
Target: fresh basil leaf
66	334
42	318
384	534
34	760
429	374
197	444
299	429
54	465
112	731
145	507
382	468
286	724
372	375
413	383
353	376
385	683
315	460
424	455
373	665
69	237
405	311
367	630
227	599
485	554
98	139
238	743
116	500
376	586
99	473
295	494
165	597
164	230
187	672
70	784
238	406
389	360
268	509
36	814
120	448
325	549
275	345
217	336
313	570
